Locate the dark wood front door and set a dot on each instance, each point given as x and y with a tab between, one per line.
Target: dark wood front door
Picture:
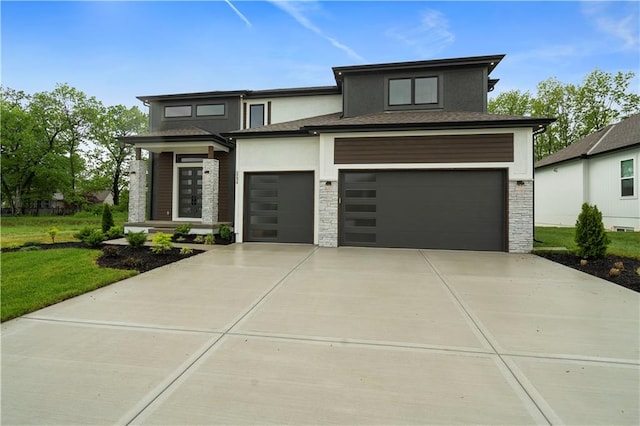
190	192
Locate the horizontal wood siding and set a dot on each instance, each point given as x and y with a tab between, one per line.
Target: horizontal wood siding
223	186
165	185
425	149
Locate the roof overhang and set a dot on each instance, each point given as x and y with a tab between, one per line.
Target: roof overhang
172	143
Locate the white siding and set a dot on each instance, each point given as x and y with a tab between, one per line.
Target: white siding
558	194
274	155
294	108
562	188
604	190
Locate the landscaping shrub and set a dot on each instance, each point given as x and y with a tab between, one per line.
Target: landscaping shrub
161	243
95	239
115	232
183	229
30	248
225	232
136	239
83	233
52	233
591	237
199	239
110	251
209	240
31	244
186	250
132	262
107	219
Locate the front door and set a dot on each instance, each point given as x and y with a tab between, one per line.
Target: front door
190	192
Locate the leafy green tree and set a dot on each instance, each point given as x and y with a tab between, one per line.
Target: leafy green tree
601	99
111	157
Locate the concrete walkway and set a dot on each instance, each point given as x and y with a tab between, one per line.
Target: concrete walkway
295	334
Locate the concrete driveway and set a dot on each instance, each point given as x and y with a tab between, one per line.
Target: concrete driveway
295	334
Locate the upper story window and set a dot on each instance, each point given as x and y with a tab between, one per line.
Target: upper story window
177	111
627	178
210	110
413	91
256	115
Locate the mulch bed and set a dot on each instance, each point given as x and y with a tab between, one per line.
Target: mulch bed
141	259
600	267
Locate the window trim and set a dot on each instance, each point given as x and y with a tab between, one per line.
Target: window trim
251	114
413	105
224	108
632	178
170	117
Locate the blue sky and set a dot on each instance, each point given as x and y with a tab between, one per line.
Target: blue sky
118	50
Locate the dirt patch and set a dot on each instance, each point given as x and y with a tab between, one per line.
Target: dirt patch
600	267
141	259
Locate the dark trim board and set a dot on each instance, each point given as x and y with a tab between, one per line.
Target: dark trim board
432	209
278	207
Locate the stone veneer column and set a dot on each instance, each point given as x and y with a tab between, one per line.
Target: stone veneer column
137	191
520	216
210	174
328	213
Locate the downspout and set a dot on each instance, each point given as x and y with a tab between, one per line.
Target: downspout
533	181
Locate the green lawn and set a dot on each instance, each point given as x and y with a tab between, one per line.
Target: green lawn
34	279
16	230
622	243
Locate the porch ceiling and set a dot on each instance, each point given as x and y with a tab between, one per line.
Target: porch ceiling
186	147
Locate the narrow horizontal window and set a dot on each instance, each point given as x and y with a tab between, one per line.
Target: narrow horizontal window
177	111
210	110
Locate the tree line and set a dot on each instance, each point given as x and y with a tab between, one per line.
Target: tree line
601	99
63	141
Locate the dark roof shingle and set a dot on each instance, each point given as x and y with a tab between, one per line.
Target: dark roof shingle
610	138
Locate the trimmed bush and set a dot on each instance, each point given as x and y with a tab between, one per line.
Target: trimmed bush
115	232
183	229
161	243
225	232
209	240
591	237
95	239
107	219
83	233
136	239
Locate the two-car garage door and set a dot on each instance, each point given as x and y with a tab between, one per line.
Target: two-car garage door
440	209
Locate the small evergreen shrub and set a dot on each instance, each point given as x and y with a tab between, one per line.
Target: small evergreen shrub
95	239
186	250
132	262
183	229
83	233
225	232
110	251
591	237
161	243
115	232
107	219
136	239
52	233
209	240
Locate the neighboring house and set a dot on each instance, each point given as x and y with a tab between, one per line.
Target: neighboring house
394	155
100	197
601	169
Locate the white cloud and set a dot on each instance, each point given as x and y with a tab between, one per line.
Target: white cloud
299	12
429	37
244	18
619	20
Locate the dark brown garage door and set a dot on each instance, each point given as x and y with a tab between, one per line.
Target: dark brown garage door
278	207
440	209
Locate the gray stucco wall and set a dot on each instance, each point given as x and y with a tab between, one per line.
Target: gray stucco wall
227	123
463	89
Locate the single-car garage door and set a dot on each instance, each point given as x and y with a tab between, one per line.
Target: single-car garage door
439	209
278	207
